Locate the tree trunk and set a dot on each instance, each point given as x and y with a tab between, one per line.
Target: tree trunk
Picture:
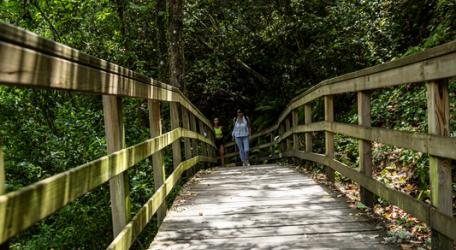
176	44
161	40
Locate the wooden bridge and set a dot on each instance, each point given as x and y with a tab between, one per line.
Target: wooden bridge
260	207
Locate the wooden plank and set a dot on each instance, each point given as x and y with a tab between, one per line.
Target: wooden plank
194	128
295	123
18	209
30	40
256	220
282	145
441	222
118	185
266	213
364	240
440	168
175	123
283	230
432	64
431	144
30	68
233	211
364	147
288	140
129	233
187	143
158	164
308	120
329	137
444	147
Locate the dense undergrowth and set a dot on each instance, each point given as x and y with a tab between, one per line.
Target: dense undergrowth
256	55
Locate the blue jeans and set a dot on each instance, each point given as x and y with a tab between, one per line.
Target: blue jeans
243	146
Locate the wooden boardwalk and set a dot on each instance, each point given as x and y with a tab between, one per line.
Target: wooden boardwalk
262	207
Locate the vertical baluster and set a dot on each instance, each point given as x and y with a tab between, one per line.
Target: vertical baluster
288	129
194	129
158	165
364	147
329	137
175	123
203	132
308	120
282	142
118	185
295	123
440	168
272	148
187	146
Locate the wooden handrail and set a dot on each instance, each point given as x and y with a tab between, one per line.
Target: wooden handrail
28	60
32	61
435	66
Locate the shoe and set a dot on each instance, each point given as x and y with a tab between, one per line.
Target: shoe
244	164
248	164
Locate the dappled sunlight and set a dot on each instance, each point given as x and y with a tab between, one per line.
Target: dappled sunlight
265	206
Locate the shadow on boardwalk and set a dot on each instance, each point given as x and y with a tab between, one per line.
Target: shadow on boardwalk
262	207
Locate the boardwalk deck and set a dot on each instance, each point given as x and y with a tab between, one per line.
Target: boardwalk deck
263	207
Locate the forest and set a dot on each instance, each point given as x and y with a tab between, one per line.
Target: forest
255	55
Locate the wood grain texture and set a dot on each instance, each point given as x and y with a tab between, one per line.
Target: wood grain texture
308	120
129	233
158	164
295	123
274	210
440	175
22	208
119	185
437	220
431	64
26	66
175	123
329	137
288	141
365	147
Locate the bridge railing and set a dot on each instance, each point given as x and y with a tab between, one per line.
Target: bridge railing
27	60
434	68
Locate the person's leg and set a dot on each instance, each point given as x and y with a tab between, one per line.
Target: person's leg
222	154
246	147
240	145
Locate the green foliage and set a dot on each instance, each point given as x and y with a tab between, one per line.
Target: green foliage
256	55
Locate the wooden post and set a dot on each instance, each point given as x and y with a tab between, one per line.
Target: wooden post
272	148
440	168
364	147
295	123
187	146
175	123
118	185
287	129
194	129
204	148
308	120
329	137
282	143
158	164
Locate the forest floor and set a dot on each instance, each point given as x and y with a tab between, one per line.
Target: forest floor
402	228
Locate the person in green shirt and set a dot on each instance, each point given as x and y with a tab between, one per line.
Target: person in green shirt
219	141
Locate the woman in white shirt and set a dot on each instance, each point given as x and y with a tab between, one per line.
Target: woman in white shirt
241	133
